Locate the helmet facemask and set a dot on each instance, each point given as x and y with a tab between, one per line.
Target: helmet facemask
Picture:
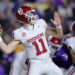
26	14
32	16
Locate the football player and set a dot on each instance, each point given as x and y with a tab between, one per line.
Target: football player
65	56
61	56
32	35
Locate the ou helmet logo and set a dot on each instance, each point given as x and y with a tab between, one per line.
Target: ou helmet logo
20	11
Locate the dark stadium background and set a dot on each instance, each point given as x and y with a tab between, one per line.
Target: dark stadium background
44	8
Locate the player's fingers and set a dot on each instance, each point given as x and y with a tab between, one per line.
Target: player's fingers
52	20
56	17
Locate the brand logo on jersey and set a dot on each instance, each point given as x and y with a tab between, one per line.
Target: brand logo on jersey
23	34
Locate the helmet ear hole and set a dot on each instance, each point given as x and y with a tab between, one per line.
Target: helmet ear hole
29	19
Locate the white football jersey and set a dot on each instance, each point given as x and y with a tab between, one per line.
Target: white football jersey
18	66
34	39
70	71
71	43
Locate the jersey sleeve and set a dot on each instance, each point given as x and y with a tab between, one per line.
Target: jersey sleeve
71	43
15	35
43	23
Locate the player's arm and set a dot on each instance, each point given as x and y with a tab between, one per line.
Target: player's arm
58	32
54	32
71	46
8	48
72	55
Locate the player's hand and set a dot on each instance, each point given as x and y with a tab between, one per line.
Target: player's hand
1	30
56	20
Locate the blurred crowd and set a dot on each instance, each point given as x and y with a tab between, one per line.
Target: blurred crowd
44	8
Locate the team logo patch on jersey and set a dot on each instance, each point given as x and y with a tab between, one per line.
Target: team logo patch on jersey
23	34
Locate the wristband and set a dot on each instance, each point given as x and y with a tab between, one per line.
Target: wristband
59	27
1	39
49	37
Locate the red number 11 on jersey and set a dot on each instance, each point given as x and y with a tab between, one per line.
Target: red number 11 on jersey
37	47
